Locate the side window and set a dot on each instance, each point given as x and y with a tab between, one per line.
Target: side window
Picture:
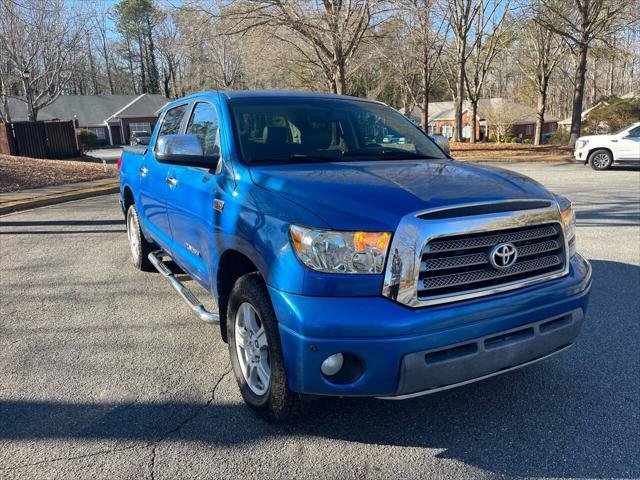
172	120
634	132
204	125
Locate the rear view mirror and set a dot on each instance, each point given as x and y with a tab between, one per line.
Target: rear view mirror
184	150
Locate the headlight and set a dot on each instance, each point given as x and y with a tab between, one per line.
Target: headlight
568	215
581	143
340	252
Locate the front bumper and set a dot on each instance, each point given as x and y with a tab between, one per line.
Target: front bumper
408	351
581	154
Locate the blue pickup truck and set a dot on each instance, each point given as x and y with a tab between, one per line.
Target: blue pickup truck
347	253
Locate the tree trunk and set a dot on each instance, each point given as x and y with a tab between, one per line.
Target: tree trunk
338	84
578	94
5	101
457	134
130	62
92	68
143	73
425	86
32	113
474	120
107	66
154	84
542	105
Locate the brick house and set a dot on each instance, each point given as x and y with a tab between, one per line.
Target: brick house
493	113
111	118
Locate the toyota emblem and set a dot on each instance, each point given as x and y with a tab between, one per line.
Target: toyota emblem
503	256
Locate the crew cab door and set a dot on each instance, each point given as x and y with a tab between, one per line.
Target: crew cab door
154	190
628	147
191	206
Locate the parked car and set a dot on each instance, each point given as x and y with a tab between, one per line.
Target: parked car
602	151
345	267
139	138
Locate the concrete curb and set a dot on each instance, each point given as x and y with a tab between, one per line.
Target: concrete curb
52	199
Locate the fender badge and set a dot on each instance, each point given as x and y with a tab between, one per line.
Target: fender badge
218	205
192	249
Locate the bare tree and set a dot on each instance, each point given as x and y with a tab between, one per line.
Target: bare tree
461	15
40	39
492	35
426	33
99	25
581	22
501	116
541	51
326	34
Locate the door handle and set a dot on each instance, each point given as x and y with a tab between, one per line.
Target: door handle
171	181
144	171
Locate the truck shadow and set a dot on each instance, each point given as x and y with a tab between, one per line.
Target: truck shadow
572	416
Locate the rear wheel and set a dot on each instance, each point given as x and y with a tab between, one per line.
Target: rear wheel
139	246
600	159
256	352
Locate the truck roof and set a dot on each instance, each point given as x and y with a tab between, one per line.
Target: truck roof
232	94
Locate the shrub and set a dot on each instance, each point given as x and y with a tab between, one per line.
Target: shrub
617	114
89	139
559	137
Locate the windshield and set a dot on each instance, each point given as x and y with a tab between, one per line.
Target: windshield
295	130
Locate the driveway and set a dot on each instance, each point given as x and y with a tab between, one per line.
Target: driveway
109	155
104	373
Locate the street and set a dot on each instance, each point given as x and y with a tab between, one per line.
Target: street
105	373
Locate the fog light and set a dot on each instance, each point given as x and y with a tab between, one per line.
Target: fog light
332	364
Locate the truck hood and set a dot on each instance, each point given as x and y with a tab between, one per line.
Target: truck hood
376	195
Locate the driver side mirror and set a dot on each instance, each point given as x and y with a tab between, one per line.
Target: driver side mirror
184	150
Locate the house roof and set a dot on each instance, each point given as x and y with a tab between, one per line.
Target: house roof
523	113
92	109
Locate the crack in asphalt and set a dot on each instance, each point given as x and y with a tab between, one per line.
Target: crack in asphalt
152	444
183	423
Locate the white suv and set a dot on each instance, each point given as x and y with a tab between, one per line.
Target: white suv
601	151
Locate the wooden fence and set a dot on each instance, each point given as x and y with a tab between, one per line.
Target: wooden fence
48	139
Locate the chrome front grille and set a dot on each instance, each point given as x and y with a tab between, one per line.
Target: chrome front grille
458	264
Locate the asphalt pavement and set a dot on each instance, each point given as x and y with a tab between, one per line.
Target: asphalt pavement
105	373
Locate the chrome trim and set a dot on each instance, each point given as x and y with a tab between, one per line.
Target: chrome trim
473	380
414	233
187	295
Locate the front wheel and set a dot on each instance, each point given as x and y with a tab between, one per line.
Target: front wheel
601	160
256	352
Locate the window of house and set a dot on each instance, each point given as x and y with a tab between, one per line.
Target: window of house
529	129
140	127
204	125
98	132
466	131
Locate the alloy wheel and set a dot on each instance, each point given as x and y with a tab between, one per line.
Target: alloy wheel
252	349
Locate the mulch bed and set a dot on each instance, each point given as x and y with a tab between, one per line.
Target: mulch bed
510	152
22	173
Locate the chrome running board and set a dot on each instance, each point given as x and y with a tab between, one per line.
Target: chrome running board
186	294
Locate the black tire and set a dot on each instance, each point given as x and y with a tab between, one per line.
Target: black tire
138	245
600	159
278	403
